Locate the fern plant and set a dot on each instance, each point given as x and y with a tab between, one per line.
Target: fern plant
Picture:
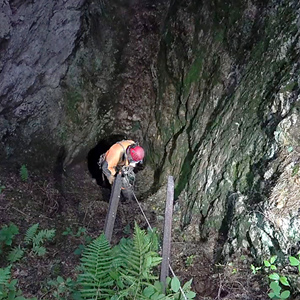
4	276
7	234
15	254
30	233
32	237
37	239
126	271
97	262
137	264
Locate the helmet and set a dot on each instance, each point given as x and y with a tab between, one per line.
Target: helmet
137	153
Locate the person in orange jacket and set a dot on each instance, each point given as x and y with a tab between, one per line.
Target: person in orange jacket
123	153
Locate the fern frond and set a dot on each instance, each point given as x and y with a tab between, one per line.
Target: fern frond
30	233
137	263
154	239
125	271
15	254
39	250
5	275
97	263
42	236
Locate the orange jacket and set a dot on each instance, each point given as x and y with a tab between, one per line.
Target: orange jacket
115	157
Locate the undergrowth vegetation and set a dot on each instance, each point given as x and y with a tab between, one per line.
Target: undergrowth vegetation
281	282
129	270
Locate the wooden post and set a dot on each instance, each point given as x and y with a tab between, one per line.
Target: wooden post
113	207
164	272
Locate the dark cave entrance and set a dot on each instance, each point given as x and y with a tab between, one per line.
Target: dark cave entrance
94	154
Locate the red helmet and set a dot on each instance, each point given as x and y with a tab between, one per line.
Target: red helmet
137	153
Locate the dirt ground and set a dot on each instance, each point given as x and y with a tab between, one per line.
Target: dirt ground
74	200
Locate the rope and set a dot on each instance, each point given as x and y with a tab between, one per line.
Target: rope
148	223
142	211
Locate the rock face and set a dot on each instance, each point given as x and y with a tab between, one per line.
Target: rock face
70	76
231	76
210	88
37	40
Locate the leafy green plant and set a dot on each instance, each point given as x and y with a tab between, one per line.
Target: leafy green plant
79	250
15	254
68	231
295	262
255	269
126	271
24	173
98	274
234	270
32	238
8	286
276	281
275	286
7	233
137	261
62	289
189	260
38	238
81	232
270	263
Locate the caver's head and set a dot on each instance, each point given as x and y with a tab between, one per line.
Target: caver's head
135	155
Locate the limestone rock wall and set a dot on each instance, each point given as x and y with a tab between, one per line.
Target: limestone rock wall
210	88
36	42
73	73
229	72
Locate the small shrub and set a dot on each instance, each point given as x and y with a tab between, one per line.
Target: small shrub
279	285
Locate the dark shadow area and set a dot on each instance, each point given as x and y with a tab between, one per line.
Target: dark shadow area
93	158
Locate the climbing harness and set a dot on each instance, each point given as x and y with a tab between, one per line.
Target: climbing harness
128	175
101	160
124	155
100	163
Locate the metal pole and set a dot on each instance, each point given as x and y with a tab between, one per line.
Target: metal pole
164	272
113	207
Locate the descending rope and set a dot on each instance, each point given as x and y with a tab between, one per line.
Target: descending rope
148	223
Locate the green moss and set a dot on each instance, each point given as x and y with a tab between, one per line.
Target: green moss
168	38
258	51
73	98
234	171
184	174
135	126
193	74
219	35
62	133
290	87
